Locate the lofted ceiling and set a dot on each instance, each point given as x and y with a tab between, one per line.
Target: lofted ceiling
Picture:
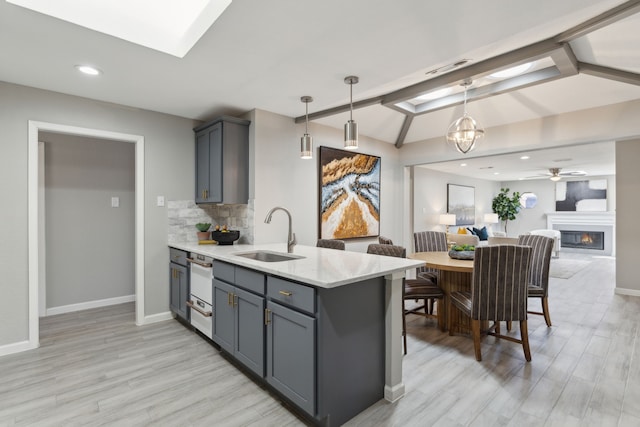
266	55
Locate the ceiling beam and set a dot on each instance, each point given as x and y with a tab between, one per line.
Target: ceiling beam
610	73
622	11
406	124
340	109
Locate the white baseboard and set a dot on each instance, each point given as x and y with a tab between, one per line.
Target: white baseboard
155	318
624	291
89	304
16	347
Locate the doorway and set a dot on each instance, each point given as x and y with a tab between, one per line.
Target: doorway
35	207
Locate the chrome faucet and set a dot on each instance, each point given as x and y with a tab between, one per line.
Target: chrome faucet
291	237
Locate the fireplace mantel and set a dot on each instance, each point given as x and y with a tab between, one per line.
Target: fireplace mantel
579	218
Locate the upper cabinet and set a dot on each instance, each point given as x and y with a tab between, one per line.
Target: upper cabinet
222	161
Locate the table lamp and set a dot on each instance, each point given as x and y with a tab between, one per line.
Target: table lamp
447	220
491	218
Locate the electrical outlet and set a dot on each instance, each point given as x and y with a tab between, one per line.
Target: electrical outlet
160	201
115	202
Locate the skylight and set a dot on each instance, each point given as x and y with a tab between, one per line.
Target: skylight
169	26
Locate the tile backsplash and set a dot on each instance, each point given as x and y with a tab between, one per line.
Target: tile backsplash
183	216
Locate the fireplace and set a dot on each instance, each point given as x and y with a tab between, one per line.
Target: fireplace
582	239
597	228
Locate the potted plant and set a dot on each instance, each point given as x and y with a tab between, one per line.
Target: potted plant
203	230
506	207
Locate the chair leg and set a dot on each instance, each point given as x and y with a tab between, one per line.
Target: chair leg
450	316
475	331
440	314
524	336
497	328
545	310
404	328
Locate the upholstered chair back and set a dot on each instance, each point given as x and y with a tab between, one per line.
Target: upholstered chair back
499	282
387	250
429	241
331	244
541	250
384	240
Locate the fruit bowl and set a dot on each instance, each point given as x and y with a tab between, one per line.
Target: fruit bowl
225	237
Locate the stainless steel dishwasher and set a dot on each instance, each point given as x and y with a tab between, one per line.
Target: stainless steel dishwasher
201	298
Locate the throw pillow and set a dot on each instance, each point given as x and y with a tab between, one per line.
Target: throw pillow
482	233
462	230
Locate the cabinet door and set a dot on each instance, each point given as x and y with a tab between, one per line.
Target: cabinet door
291	351
215	164
179	290
223	315
249	339
202	166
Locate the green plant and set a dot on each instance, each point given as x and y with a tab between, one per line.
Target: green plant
203	226
506	207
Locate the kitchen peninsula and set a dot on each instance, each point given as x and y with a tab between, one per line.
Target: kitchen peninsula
331	323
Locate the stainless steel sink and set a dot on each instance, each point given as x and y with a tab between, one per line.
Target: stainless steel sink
268	256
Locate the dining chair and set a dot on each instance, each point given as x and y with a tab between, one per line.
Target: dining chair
412	289
542	249
384	240
429	241
498	293
331	244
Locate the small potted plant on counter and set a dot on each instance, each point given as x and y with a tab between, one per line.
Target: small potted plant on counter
203	230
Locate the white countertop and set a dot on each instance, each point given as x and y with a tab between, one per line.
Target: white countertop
321	267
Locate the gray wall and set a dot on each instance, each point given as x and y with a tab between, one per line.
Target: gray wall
169	158
628	206
89	244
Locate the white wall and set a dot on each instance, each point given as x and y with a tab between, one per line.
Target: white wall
169	159
545	189
283	179
89	244
430	198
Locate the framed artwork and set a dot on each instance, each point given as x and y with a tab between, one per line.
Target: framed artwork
581	195
461	201
349	194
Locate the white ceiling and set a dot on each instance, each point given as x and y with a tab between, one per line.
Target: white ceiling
267	54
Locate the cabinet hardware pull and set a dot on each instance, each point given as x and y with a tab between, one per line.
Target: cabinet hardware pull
266	316
203	264
286	293
234	300
204	313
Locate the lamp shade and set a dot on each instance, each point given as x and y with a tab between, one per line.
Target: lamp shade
491	218
447	219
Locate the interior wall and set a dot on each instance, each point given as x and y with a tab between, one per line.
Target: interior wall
430	198
169	158
628	206
89	244
283	179
535	218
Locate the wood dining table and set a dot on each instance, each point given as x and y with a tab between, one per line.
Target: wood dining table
455	275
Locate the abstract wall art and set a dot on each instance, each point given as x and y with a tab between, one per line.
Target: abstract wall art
581	195
349	194
461	201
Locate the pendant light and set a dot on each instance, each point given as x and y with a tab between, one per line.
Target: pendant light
351	127
306	142
464	132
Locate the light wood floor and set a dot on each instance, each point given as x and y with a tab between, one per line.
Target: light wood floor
97	368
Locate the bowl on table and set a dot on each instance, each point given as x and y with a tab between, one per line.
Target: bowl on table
225	237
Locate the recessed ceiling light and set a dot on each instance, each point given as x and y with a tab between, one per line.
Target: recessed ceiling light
524	158
513	71
496	173
435	94
463	164
87	69
171	27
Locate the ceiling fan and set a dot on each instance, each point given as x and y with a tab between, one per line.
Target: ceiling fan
554	174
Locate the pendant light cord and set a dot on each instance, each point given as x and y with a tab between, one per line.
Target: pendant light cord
351	101
306	118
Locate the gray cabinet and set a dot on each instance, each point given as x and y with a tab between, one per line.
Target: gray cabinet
178	283
291	351
238	326
222	161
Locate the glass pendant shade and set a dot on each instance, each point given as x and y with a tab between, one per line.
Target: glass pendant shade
464	133
351	135
306	146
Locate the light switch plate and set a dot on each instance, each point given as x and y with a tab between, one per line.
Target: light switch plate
115	202
160	201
